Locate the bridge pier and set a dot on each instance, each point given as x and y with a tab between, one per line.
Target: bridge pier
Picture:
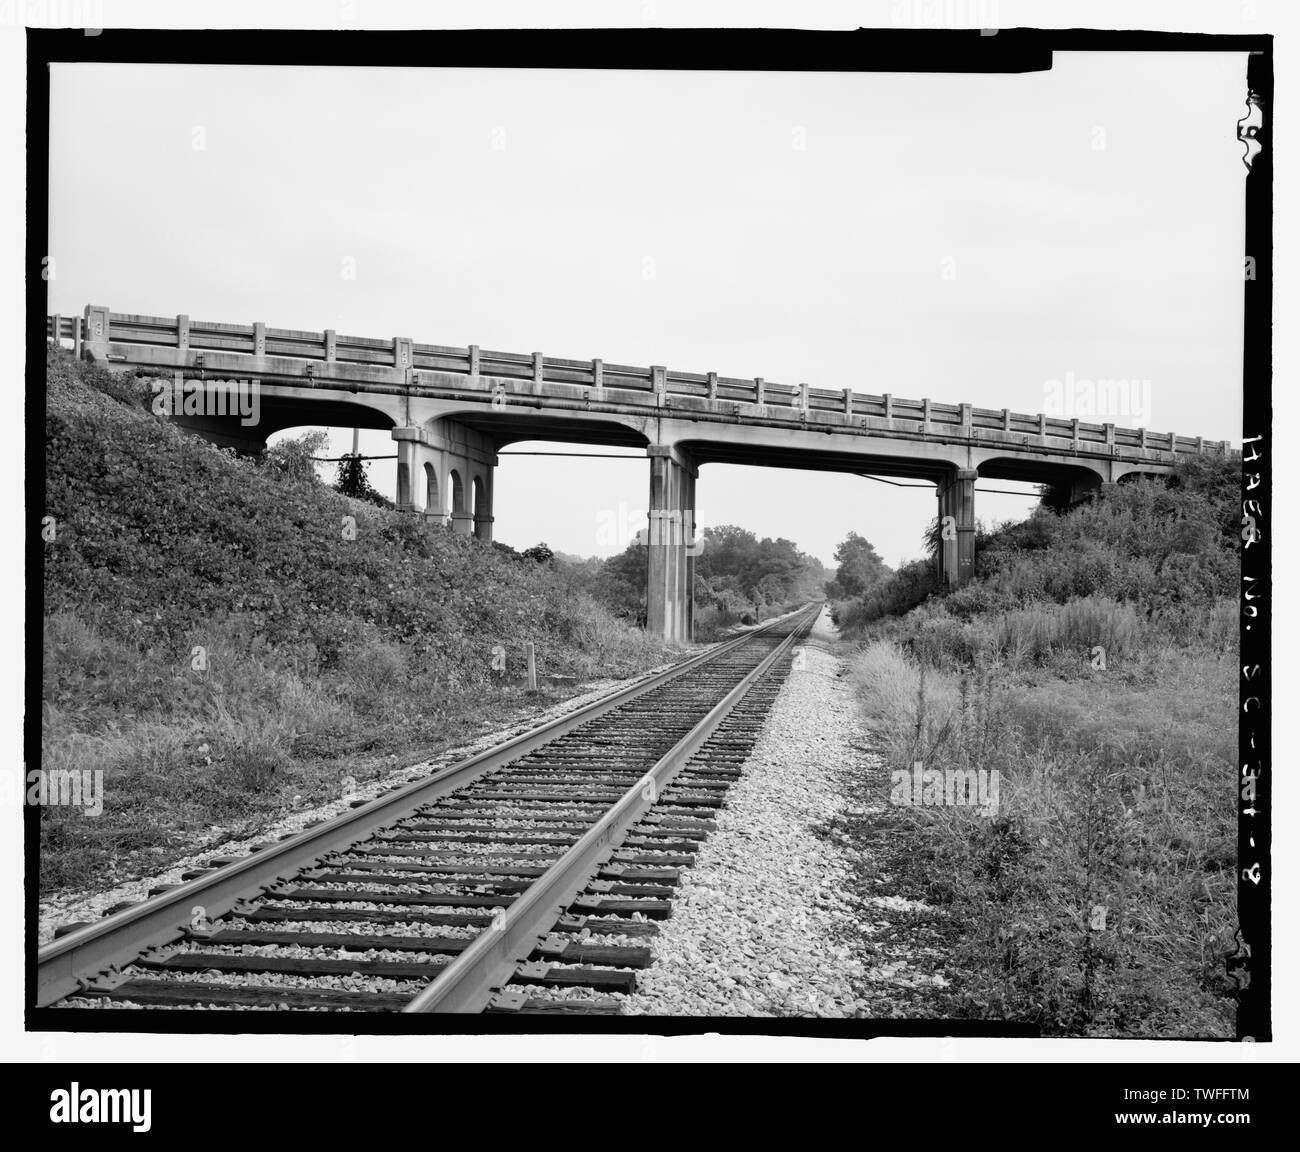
957	521
688	530
670	569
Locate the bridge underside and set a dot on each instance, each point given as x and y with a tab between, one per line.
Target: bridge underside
250	434
447	456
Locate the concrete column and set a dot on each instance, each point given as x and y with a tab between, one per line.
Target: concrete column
483	517
957	519
688	522
459	487
459	481
431	484
672	507
409	496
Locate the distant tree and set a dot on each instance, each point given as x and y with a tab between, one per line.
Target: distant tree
859	568
352	480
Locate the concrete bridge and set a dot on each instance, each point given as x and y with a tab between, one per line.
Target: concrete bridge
451	410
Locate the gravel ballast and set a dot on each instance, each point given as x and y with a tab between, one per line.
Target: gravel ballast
763	924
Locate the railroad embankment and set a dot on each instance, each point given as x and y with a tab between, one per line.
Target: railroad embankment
227	642
1057	795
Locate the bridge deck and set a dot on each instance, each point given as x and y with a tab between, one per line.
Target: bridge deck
553	385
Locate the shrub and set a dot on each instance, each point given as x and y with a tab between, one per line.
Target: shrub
293	459
1078	627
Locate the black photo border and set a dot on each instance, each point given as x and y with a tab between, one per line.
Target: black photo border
861	50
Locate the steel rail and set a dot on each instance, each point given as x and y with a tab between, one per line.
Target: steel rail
71	963
469	981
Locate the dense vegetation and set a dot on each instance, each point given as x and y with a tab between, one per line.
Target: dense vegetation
225	637
1091	664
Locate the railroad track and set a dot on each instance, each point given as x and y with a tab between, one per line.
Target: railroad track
525	879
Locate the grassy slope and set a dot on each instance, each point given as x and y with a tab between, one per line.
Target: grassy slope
325	657
1117	778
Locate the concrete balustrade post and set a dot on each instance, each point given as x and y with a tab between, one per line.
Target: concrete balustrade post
659	382
403	353
97	331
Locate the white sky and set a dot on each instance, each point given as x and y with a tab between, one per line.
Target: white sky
958	237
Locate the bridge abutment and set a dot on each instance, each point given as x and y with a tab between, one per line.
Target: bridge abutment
225	432
670	568
1083	487
445	473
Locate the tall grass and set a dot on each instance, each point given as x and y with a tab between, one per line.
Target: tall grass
1108	800
1092	666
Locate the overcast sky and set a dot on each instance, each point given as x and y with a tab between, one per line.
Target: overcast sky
965	238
